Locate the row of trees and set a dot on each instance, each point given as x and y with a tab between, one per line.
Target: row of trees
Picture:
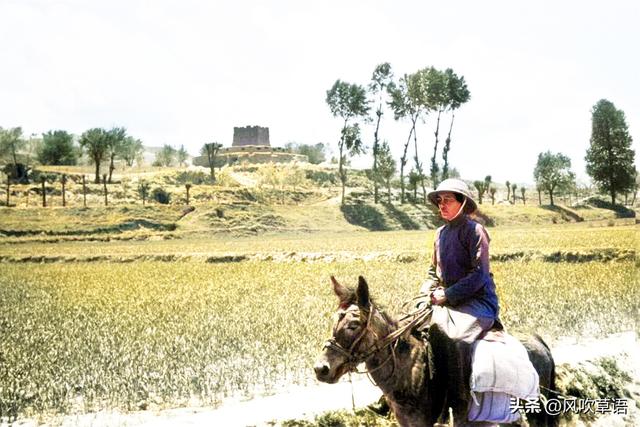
58	147
168	155
107	145
413	97
609	158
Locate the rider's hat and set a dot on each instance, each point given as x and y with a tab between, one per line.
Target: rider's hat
452	185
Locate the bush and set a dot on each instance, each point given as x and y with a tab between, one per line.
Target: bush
161	196
51	177
19	173
620	210
193	177
322	177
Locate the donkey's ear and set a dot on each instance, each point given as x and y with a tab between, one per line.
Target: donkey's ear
363	293
341	291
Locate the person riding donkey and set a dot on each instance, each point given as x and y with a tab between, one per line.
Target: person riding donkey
460	286
449	360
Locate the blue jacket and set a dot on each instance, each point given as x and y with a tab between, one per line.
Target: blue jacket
461	265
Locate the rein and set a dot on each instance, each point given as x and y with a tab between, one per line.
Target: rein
354	358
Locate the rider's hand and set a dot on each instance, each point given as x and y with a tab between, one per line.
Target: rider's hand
438	297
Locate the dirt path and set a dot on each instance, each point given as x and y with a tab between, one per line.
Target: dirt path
299	402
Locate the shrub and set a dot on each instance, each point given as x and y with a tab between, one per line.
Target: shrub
224	179
322	177
161	196
193	177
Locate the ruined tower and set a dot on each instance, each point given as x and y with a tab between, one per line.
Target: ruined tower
250	135
251	145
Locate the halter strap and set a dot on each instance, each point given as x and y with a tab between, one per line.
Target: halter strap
354	358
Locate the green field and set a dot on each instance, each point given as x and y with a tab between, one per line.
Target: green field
79	336
133	307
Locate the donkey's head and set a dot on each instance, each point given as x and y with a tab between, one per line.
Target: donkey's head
357	327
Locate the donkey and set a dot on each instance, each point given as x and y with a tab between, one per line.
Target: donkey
404	366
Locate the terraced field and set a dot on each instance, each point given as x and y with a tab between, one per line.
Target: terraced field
83	327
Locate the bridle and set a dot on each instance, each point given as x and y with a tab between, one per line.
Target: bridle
354	357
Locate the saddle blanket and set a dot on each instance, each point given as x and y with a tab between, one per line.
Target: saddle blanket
500	370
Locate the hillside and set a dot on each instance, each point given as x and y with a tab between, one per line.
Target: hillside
245	200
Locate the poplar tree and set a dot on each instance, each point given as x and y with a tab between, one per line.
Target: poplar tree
380	81
348	102
610	158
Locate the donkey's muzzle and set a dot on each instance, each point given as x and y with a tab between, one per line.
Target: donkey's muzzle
323	370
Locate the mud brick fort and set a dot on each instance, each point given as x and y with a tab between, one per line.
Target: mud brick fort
251	145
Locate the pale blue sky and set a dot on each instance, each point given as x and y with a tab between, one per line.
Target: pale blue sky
187	72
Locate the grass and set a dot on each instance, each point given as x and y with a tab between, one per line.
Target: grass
505	242
88	336
121	307
509	215
80	221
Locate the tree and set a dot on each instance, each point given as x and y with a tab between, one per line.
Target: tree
487	182
115	138
165	156
348	102
508	184
539	190
95	142
405	105
522	191
420	100
57	149
481	186
182	155
381	79
386	167
454	173
315	153
143	191
458	94
492	193
10	142
295	177
610	158
33	146
513	192
131	150
187	186
210	150
552	173
435	97
414	180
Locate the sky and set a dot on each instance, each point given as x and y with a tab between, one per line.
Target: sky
186	72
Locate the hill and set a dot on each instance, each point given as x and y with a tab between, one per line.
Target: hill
244	200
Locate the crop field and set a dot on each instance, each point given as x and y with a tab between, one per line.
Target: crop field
79	336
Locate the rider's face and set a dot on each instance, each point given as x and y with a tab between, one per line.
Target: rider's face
448	205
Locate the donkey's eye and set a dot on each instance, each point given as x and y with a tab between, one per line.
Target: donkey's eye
354	324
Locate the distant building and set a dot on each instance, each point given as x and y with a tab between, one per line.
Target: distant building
251	144
250	135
